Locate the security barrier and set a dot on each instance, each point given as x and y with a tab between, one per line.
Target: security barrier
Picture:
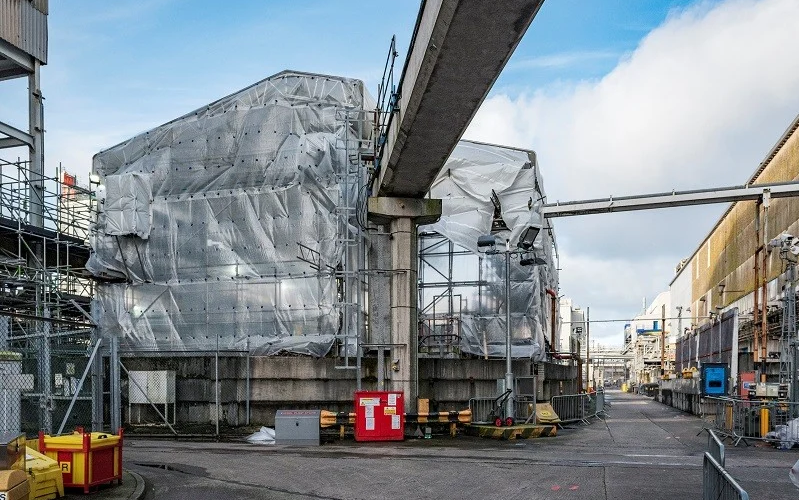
569	407
743	419
717	483
579	407
481	410
715	447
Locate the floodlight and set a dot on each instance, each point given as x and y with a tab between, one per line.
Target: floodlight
528	237
532	261
486	240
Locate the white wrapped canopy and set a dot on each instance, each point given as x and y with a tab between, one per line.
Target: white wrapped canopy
204	218
465	185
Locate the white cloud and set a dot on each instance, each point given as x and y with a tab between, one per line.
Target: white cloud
698	104
563	59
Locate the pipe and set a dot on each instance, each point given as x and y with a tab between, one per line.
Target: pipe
554	296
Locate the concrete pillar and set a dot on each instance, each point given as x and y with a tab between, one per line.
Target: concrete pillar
402	215
404	327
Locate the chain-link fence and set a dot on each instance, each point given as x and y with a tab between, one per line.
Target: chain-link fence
43	377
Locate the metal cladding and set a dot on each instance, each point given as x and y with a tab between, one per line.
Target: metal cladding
23	24
465	186
204	217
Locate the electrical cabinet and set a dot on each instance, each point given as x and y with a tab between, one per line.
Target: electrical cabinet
379	416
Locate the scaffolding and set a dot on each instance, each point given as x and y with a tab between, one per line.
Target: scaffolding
45	293
462	294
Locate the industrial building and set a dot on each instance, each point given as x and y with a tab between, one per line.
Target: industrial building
734	266
733	300
239	230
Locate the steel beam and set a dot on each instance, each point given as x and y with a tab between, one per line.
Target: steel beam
14	133
10	142
18	57
672	199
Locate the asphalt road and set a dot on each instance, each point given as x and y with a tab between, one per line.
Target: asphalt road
643	450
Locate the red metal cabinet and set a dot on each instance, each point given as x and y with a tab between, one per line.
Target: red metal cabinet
379	416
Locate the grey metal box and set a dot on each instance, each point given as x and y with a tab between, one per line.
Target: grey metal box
299	427
12	451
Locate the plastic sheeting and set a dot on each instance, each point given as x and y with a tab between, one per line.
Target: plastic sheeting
465	185
204	218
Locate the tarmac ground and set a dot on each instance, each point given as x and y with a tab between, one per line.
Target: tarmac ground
643	450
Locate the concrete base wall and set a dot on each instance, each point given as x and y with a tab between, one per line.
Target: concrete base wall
682	394
307	383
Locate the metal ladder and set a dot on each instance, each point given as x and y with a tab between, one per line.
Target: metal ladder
351	176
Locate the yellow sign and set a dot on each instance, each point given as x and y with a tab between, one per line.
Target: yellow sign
370	401
65	467
389	410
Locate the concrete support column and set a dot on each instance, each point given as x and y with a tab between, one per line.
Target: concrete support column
402	215
404	324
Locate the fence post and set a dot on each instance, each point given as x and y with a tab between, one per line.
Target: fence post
80	386
97	389
216	383
248	381
115	385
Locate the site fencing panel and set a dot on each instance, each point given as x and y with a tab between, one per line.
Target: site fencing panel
743	419
579	407
718	484
43	378
715	447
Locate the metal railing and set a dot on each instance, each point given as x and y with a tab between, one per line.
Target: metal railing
743	419
715	447
579	407
569	408
481	409
717	483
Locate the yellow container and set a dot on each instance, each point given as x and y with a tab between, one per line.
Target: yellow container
624	387
85	459
44	476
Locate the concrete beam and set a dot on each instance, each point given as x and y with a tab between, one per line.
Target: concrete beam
458	50
382	210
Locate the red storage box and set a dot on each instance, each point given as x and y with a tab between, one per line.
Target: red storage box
379	416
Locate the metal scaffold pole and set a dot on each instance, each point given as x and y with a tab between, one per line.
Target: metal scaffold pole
509	382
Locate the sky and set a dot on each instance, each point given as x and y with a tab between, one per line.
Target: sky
617	97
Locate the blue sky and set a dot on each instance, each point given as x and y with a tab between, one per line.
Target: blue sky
118	68
616	96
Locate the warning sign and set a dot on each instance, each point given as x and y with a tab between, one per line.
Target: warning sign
370	401
389	410
65	467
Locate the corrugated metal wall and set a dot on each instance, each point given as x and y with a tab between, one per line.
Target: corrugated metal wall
23	24
730	257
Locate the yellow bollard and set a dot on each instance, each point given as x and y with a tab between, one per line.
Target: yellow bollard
763	422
